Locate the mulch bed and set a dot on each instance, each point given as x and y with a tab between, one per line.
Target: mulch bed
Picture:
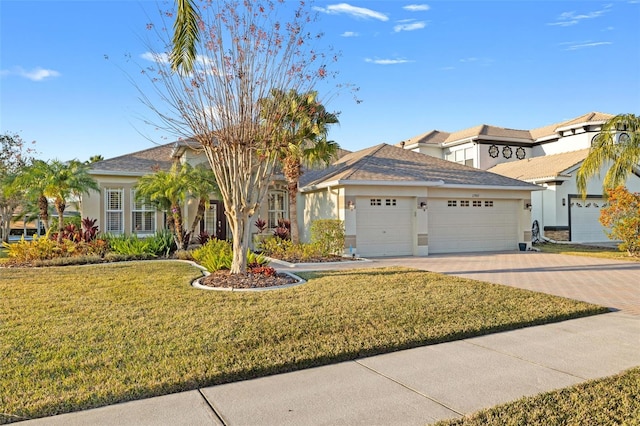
224	279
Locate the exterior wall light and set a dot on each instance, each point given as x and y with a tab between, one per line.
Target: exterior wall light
351	205
423	206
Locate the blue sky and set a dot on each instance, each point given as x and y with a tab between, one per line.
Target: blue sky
445	65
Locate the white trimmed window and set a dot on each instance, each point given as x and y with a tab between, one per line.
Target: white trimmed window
464	203
143	216
114	210
277	207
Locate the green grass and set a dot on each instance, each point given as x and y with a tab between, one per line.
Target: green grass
77	337
610	401
581	250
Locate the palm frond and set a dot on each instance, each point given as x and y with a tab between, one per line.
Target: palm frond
186	35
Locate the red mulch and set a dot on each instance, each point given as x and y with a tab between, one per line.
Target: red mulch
224	279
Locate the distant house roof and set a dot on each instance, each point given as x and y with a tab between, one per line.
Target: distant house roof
538	169
390	165
137	163
485	131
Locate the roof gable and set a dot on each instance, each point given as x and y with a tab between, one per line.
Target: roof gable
549	167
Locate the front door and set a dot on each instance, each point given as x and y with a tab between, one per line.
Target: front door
214	222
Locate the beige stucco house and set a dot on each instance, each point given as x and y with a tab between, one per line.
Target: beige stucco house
393	201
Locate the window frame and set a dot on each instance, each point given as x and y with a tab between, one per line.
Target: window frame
108	211
143	208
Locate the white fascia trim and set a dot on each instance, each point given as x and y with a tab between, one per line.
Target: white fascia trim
333	183
508	188
459	141
545	179
579	125
117	173
504	139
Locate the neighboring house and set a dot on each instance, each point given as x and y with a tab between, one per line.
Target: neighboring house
548	156
397	202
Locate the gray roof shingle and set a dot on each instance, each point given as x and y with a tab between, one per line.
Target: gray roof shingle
539	168
137	163
387	163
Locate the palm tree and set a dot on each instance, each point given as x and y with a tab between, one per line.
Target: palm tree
34	182
168	191
201	184
305	124
624	153
66	180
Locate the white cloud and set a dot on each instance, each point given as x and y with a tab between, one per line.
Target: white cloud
354	11
387	61
416	7
410	27
349	34
567	19
161	58
36	74
587	44
469	60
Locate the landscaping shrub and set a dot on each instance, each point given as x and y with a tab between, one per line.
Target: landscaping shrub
128	245
214	255
286	250
622	216
328	236
218	254
44	248
161	243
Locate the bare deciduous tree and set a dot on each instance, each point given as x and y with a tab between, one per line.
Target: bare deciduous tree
247	48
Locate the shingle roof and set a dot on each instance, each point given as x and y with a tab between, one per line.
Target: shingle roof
540	168
432	137
550	130
438	137
138	163
387	163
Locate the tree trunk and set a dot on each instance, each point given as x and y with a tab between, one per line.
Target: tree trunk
199	215
43	206
293	211
60	206
176	212
239	224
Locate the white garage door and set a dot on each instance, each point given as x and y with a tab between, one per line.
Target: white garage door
460	225
384	226
585	220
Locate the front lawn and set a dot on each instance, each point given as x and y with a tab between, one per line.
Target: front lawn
582	250
610	401
77	337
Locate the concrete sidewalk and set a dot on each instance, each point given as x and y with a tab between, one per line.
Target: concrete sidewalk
412	387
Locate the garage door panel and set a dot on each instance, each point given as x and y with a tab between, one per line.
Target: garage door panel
384	230
492	226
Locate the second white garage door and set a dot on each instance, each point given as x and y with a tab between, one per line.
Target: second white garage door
460	225
585	220
384	226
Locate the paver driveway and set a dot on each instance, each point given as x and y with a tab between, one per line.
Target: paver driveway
611	283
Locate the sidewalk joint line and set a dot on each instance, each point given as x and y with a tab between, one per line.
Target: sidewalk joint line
528	361
215	412
442	404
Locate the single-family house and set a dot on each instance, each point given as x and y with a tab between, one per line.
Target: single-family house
392	201
548	156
